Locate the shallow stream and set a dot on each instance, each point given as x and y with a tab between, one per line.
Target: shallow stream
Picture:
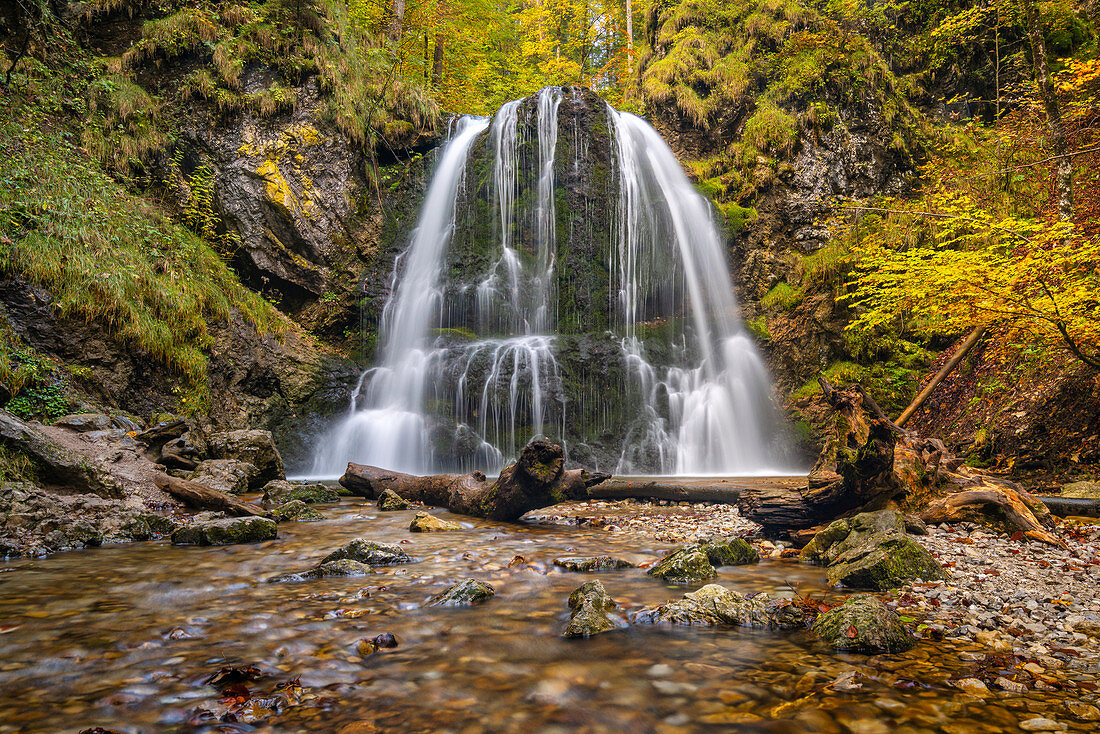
122	638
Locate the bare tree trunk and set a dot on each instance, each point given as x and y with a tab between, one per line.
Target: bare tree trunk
397	22
437	62
629	39
942	374
1054	113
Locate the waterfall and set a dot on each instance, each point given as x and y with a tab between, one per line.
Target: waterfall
477	356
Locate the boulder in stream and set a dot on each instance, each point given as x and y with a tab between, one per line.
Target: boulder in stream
863	624
871	551
255	447
427	523
715	605
232	476
296	511
586	564
326	569
226	531
589	605
390	501
370	553
278	491
732	551
466	592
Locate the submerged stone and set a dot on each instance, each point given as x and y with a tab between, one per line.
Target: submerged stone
715	605
589	605
390	501
326	569
466	592
227	531
427	523
863	624
296	511
585	564
731	551
370	553
684	565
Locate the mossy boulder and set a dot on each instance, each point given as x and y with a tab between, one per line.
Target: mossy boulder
390	501
684	565
715	605
278	491
466	592
225	475
296	511
255	447
729	551
370	553
345	567
871	551
226	531
587	564
427	523
863	624
589	605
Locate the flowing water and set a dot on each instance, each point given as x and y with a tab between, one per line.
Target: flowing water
462	387
123	637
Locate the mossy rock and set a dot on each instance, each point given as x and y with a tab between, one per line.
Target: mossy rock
370	553
228	531
589	605
863	624
390	501
345	567
715	605
814	552
280	491
427	523
885	563
232	476
467	592
296	511
729	551
588	564
684	565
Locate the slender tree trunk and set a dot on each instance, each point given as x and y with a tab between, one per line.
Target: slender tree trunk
629	39
397	22
1054	112
437	62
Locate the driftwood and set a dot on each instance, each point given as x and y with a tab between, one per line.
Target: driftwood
538	479
868	463
204	498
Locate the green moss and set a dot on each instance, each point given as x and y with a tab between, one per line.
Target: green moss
758	327
782	296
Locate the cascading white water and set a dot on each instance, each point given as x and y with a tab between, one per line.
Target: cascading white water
716	417
461	387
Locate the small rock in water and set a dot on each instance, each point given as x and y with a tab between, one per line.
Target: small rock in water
849	681
278	491
390	501
973	686
427	523
296	511
326	569
1040	723
591	563
466	592
684	565
1009	685
227	531
863	624
590	604
370	553
385	641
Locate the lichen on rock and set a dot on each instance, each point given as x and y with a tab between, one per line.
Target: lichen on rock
863	624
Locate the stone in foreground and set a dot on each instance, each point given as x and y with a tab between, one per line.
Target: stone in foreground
279	491
684	565
871	551
863	624
427	523
370	553
589	605
296	511
587	564
227	531
466	592
715	605
390	501
345	567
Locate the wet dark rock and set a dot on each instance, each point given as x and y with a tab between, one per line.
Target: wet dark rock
871	551
863	624
185	452
715	605
226	531
255	447
589	605
466	592
225	475
296	511
591	563
428	523
279	491
390	501
385	641
56	463
370	553
344	567
729	551
85	422
684	565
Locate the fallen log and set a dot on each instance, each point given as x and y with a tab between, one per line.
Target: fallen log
202	497
946	370
717	491
537	479
1011	502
